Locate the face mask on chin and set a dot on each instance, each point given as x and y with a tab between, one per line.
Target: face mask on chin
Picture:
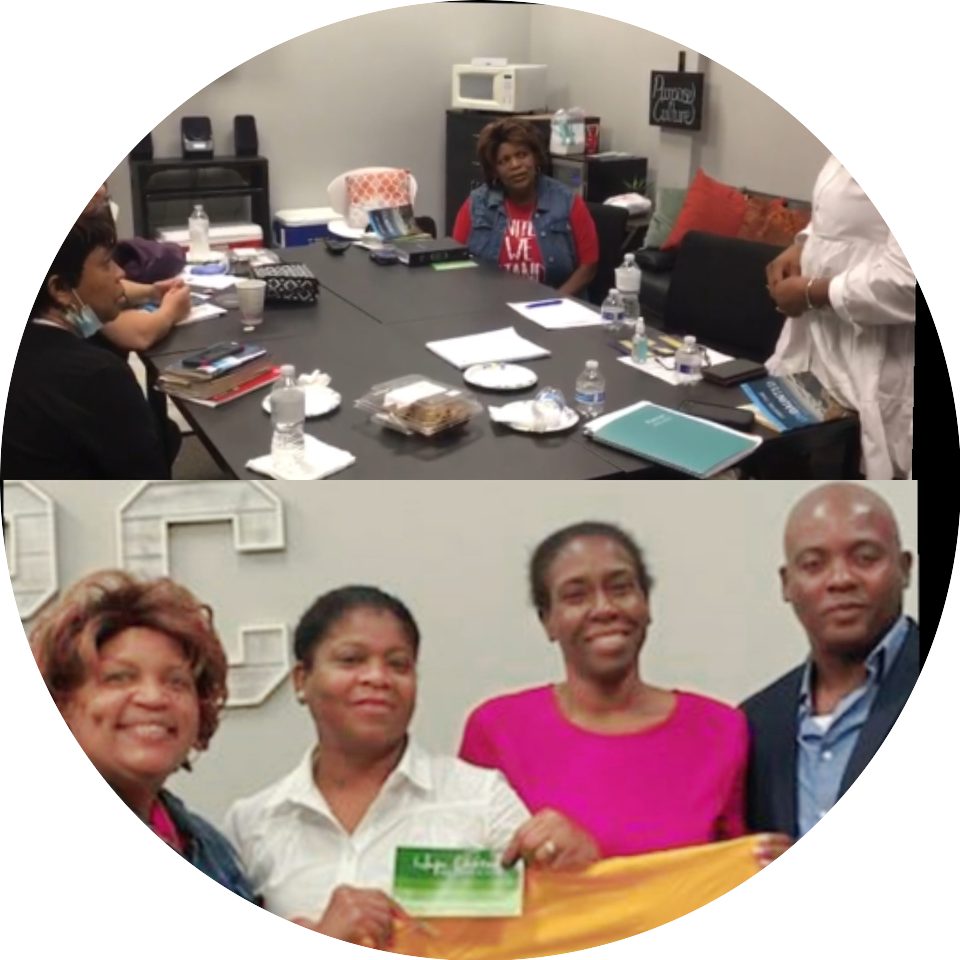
86	322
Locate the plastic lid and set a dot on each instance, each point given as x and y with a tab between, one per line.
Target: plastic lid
592	364
690	341
287	370
629	258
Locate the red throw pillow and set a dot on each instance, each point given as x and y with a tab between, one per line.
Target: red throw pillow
711	207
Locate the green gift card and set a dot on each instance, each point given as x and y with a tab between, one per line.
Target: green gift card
457	883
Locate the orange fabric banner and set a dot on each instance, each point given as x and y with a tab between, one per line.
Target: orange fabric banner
610	901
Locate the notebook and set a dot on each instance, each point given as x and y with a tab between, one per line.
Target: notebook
688	444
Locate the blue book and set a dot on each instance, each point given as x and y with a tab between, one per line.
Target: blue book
697	447
794	401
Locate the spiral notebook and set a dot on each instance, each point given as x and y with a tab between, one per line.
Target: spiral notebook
672	439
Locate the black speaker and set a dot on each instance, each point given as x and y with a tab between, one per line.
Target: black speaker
245	141
197	138
144	149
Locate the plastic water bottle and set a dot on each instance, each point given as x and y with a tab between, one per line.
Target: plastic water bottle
611	312
688	362
288	404
198	227
638	345
590	393
628	285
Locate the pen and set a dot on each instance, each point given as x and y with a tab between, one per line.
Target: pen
545	303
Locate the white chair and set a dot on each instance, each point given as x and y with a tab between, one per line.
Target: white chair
340	202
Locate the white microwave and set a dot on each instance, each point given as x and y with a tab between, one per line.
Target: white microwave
514	88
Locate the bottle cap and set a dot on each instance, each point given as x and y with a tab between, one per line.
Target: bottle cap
592	364
690	341
287	370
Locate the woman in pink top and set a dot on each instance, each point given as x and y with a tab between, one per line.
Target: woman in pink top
639	767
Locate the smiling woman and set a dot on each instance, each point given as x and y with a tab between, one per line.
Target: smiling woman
639	767
139	675
324	839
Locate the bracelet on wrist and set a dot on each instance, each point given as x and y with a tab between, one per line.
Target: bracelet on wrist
810	305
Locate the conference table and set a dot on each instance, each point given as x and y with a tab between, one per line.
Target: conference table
370	325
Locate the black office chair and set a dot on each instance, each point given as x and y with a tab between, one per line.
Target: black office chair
611	224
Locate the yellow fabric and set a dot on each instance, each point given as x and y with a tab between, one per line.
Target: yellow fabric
612	900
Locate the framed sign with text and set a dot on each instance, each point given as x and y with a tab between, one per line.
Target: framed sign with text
676	100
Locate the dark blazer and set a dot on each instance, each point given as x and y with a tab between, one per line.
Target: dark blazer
772	714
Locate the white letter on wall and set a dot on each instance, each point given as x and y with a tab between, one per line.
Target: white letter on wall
256	516
30	540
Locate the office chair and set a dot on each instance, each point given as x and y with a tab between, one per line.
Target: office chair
384	186
611	224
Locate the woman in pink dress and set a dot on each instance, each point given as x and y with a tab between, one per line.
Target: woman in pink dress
639	767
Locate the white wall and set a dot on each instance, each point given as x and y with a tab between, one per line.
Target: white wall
604	66
370	91
456	553
373	90
749	140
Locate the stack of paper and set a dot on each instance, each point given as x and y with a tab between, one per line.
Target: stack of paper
320	460
498	346
558	314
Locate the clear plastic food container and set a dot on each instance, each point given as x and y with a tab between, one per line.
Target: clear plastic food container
416	404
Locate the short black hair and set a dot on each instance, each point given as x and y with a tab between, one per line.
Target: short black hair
545	555
91	231
330	609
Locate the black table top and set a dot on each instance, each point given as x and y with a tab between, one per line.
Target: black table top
371	325
397	294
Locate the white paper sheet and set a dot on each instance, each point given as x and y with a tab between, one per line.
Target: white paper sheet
210	281
498	346
202	311
558	315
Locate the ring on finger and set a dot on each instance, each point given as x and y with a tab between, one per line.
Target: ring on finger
550	849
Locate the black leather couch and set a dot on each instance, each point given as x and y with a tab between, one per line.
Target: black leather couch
717	291
714	288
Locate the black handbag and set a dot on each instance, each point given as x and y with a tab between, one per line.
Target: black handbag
288	282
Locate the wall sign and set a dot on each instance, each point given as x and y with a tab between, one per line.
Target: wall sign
256	516
30	541
676	100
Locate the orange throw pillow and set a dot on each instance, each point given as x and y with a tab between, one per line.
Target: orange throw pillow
711	207
771	221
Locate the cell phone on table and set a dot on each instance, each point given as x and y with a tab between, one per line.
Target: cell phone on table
732	417
212	354
384	256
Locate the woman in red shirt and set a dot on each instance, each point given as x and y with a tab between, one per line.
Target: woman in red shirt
524	221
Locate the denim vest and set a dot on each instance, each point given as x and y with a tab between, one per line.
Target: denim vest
551	220
207	849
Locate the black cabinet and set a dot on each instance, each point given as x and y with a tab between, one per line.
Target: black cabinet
164	192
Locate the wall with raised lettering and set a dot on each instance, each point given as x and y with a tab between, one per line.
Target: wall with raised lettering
456	553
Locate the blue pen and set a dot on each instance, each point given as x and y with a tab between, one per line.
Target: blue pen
545	303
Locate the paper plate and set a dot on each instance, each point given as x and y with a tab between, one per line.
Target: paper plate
500	376
319	402
340	229
522	423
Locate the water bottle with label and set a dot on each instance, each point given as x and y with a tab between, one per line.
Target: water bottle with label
689	360
628	285
287	411
590	393
611	313
198	227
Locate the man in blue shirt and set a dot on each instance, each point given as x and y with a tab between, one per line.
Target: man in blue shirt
815	729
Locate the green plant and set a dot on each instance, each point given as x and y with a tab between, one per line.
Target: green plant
635	185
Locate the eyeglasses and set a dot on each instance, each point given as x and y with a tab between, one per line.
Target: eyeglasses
671	362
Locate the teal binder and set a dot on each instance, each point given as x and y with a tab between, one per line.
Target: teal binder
688	444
